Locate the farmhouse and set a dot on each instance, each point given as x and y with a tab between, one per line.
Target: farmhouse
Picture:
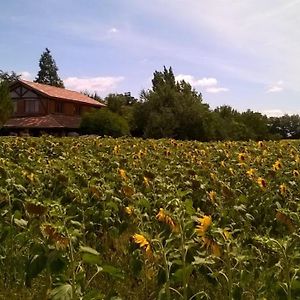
44	108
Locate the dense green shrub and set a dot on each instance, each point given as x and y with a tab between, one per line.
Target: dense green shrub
104	122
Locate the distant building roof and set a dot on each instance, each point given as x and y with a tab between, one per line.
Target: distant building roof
48	121
60	93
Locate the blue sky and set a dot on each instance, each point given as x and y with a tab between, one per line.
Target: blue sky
244	53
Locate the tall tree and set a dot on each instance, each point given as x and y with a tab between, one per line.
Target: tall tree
48	70
172	109
6	105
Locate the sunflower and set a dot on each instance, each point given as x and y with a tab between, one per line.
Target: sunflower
211	245
122	174
242	157
204	224
262	182
129	210
162	216
277	165
250	172
282	189
285	219
143	243
260	144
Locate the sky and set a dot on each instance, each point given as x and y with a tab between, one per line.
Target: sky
242	53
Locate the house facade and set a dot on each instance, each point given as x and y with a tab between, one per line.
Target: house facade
44	108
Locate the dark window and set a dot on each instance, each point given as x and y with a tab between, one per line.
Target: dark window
15	104
59	107
32	106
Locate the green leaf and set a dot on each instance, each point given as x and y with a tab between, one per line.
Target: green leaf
56	262
91	259
189	207
89	250
62	292
34	267
113	271
93	295
178	275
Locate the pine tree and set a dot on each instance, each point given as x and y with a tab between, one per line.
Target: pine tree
48	71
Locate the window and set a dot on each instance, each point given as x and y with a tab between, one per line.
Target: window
59	107
15	105
32	106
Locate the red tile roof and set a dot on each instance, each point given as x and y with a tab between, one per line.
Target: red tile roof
60	93
48	121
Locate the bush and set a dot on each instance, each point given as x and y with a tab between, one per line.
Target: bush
104	122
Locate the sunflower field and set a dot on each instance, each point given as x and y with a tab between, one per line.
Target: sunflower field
101	218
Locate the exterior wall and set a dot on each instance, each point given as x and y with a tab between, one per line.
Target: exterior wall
69	108
51	106
21	96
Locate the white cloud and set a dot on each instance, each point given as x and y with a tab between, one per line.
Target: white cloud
26	75
275	88
113	30
203	82
93	84
209	84
216	90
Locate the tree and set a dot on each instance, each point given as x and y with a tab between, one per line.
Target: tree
6	105
9	77
123	105
171	109
286	126
256	124
48	71
104	122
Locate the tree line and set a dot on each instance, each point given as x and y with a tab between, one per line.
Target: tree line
172	109
169	109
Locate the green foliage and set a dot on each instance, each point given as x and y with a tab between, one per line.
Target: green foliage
102	218
9	77
229	124
93	218
286	126
6	105
48	71
123	105
171	109
104	122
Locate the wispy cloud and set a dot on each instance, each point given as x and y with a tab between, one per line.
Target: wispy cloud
113	30
100	85
264	42
276	88
210	84
216	90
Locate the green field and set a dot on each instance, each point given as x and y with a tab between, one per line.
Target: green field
92	218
